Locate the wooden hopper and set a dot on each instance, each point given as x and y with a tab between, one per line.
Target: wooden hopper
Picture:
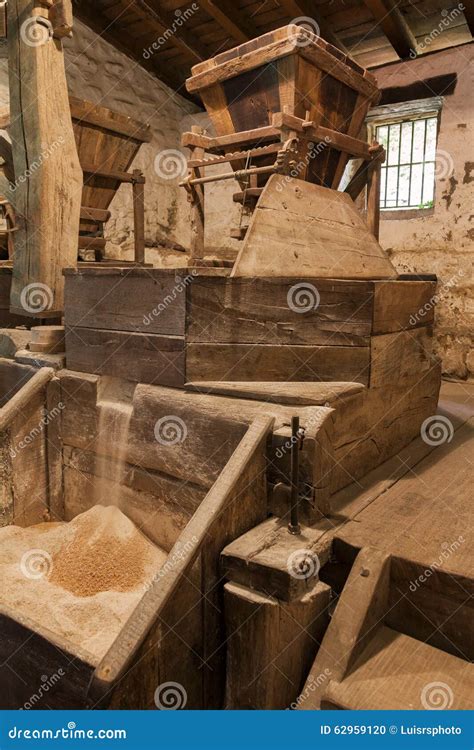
107	143
289	70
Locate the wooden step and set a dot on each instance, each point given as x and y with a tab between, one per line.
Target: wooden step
397	672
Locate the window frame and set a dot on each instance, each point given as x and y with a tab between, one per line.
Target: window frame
393	114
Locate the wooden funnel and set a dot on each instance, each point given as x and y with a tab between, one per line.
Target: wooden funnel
289	70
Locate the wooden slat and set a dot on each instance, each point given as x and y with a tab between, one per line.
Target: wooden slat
162	22
254	362
95	214
140	357
303	8
394	26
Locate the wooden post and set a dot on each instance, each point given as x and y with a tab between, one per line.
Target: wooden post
47	191
138	188
373	198
197	206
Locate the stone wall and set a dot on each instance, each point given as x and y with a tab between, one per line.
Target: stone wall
442	241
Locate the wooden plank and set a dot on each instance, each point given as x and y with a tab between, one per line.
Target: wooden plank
155	303
314	231
396	357
321	134
359	610
300	394
140	357
393	673
256	362
277	311
95	214
138	197
236	502
45	155
54	407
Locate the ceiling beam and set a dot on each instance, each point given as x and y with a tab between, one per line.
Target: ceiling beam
164	24
230	18
394	26
469	15
298	8
86	11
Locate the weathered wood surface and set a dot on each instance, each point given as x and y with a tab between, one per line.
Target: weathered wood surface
257	362
56	678
236	502
313	231
141	357
398	357
359	611
393	673
271	645
279	311
260	558
298	394
47	168
126	301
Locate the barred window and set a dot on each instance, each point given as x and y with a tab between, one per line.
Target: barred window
408	175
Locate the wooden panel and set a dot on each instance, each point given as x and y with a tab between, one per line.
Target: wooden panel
126	302
303	230
141	357
272	311
253	97
403	304
254	362
397	356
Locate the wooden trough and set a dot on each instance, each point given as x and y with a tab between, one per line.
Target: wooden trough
176	632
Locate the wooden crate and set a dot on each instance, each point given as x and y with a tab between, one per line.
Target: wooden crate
287	70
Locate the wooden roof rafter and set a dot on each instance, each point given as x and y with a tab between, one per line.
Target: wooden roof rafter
388	16
230	18
302	8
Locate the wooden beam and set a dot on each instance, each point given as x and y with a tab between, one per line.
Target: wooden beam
165	25
299	8
469	15
87	12
394	26
230	18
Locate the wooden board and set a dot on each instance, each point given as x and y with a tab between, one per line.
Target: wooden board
393	672
302	230
257	362
279	311
46	167
126	301
298	394
141	357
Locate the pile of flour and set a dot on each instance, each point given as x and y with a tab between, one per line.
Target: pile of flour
80	580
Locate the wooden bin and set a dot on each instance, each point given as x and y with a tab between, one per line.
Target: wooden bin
197	499
288	70
106	142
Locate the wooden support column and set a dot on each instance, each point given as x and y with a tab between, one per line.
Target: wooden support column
138	187
373	198
47	191
197	206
